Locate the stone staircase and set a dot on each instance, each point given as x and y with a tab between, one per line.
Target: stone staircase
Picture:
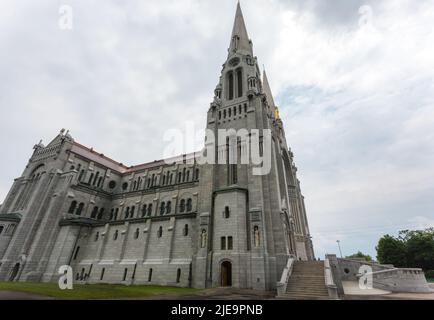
307	281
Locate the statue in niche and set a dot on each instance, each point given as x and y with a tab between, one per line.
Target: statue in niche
257	236
203	238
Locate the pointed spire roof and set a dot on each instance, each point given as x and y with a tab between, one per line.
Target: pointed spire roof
267	91
239	39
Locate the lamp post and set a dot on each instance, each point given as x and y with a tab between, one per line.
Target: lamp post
339	245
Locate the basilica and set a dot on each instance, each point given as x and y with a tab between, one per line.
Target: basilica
181	223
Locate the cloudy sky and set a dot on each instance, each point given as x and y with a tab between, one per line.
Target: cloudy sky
354	81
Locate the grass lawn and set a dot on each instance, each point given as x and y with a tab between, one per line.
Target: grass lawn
93	291
430	280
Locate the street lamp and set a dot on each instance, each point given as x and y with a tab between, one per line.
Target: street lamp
339	245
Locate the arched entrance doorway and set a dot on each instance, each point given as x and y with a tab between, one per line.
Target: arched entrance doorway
14	272
226	274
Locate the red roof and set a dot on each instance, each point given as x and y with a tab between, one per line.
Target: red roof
103	160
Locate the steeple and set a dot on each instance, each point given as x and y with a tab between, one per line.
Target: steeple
267	91
240	39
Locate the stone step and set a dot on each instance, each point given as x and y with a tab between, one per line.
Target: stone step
310	294
307	281
307	291
305	285
312	291
300	294
304	297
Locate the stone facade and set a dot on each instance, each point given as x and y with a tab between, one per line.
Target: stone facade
184	224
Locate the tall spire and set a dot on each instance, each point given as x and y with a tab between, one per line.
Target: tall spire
267	91
239	39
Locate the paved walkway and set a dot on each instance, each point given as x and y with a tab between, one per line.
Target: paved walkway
352	288
353	292
219	294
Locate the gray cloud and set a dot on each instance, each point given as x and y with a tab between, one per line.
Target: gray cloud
357	103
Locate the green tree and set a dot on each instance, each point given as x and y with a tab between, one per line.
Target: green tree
360	255
391	250
419	248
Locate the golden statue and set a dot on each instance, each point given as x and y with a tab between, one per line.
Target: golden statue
276	113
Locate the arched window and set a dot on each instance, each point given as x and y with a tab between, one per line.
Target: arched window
115	235
168	207
162	208
136	234
187	177
116	213
144	210
224	114
101	214
182	206
99	182
229	112
94	213
133	209
76	253
96	236
127	212
90	178
179	177
220	115
95	179
185	231
189	205
79	209
235	110
112	213
230	243
160	232
81	175
197	174
240	82
231	86
226	213
150	210
72	207
164	179
171	178
183	175
150	275
178	275
222	243
134	185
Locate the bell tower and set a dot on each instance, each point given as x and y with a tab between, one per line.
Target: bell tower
245	217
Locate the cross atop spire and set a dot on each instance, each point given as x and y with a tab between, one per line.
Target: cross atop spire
240	39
